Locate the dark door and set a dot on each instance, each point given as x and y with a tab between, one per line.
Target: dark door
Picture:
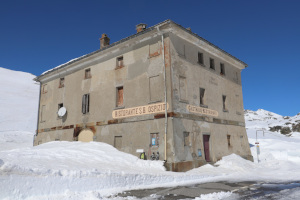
206	147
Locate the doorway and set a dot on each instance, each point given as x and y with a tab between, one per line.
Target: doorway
206	147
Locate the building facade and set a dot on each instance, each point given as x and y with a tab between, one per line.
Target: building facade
164	91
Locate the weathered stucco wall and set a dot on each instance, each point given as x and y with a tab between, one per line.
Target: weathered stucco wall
142	80
188	76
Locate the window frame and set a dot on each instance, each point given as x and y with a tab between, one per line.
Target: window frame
118	97
224	104
60	105
200	59
156	136
43	110
85	109
152	98
222	69
184	89
212	63
186	139
61	82
229	140
120	62
44	88
87	73
201	98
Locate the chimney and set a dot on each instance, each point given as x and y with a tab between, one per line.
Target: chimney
104	41
140	27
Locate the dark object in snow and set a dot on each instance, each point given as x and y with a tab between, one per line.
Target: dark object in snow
283	130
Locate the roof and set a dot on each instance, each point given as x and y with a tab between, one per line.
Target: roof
168	21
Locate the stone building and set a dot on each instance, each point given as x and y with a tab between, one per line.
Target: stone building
164	91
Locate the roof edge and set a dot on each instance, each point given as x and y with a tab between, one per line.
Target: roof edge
133	36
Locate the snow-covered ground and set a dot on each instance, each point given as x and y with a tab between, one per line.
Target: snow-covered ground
75	170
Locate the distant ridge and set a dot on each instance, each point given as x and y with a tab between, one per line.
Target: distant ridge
263	119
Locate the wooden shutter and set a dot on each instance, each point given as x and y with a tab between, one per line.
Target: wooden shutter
202	91
83	104
87	103
120	96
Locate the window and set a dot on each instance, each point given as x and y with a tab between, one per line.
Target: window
118	142
44	89
120	63
120	96
212	63
156	91
154	139
224	103
87	74
85	103
222	69
186	136
236	77
60	105
228	140
43	110
154	49
182	88
61	82
202	92
200	58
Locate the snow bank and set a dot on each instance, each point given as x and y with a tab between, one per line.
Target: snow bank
75	170
58	169
218	196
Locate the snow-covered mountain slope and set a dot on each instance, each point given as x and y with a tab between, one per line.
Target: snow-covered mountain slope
18	107
266	120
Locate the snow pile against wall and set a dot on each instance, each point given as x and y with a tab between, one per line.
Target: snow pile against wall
63	169
76	170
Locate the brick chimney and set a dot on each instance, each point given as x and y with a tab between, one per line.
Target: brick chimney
104	41
140	27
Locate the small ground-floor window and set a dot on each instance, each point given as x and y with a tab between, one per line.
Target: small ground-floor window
154	139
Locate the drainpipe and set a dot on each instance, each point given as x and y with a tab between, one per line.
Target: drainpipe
165	93
38	113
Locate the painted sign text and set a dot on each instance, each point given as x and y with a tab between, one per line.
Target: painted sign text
141	110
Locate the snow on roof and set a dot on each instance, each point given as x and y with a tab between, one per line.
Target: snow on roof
59	66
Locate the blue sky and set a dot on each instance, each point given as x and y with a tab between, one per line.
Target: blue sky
39	35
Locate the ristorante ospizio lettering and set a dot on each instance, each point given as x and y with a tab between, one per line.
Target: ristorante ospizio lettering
141	110
200	110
